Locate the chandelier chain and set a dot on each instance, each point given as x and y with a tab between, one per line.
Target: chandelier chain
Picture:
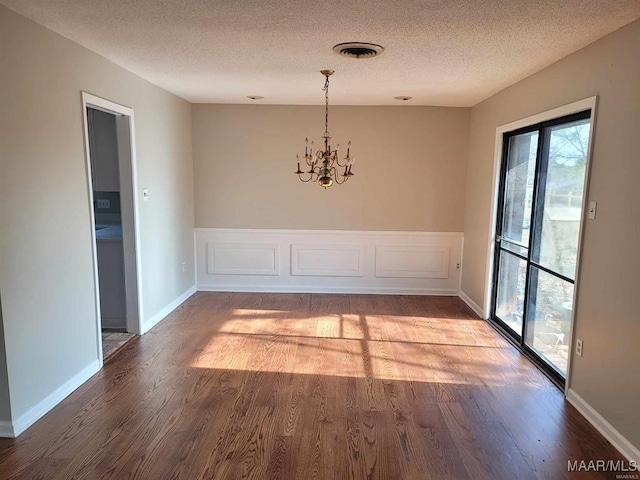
326	105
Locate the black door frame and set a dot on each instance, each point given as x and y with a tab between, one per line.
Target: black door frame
539	186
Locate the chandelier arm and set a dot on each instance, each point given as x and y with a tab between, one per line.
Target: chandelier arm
336	176
313	175
342	164
340	182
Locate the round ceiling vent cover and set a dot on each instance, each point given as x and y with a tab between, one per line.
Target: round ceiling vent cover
358	50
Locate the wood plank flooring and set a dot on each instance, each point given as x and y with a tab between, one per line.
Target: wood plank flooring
112	341
300	386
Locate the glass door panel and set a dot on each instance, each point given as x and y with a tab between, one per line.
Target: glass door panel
513	237
518	188
549	306
554	243
512	274
560	209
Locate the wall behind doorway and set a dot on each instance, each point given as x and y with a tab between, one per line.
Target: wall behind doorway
410	168
45	246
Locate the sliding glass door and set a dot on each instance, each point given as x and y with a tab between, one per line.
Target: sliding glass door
538	226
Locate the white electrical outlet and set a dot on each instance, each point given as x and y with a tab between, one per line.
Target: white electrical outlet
184	266
579	347
458	266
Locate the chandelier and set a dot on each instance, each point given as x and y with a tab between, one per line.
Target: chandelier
324	164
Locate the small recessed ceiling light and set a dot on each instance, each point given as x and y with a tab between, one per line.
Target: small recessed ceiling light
255	97
403	97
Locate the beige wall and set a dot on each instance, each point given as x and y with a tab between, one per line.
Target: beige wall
607	317
46	278
410	168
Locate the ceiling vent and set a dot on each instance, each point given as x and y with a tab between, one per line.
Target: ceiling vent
358	50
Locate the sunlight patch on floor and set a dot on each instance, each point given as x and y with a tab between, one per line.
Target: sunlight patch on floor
363	358
393	328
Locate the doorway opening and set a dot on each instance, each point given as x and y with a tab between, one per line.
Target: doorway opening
111	181
539	219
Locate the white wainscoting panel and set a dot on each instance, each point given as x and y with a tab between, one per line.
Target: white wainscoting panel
243	259
412	261
328	261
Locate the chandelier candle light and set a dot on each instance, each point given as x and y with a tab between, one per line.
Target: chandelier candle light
323	164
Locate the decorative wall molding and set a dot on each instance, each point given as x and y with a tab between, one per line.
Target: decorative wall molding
624	446
328	261
243	259
329	289
31	416
333	233
159	316
412	261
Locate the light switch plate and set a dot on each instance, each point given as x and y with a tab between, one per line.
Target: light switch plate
592	210
103	203
145	194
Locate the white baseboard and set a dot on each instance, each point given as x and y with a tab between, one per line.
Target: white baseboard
13	429
624	446
337	290
153	321
472	305
31	416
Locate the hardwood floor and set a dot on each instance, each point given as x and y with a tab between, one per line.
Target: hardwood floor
112	341
299	386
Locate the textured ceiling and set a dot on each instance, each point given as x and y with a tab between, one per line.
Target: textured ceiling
440	52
